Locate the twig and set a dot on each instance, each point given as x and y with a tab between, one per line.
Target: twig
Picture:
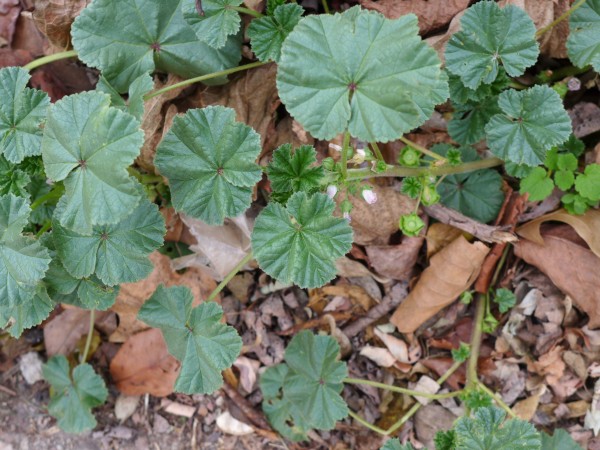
486	233
476	334
387	304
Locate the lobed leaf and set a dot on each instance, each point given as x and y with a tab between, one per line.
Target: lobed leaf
134	104
13	180
116	253
560	440
267	34
23	261
89	145
353	89
588	182
73	395
22	114
300	242
531	123
583	45
217	21
491	36
468	121
28	313
293	171
195	336
129	38
394	444
537	184
209	159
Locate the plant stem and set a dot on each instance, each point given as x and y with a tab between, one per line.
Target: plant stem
422	149
344	162
472	378
560	18
497	399
397	171
229	276
203	78
44	228
325	6
377	151
411	412
244	10
363	422
56	192
88	341
399	389
50	58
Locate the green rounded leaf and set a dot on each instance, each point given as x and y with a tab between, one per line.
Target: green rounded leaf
468	121
29	313
195	336
134	104
13	180
89	145
533	121
217	22
376	77
126	39
583	45
394	444
537	184
588	183
267	34
22	113
491	36
300	242
560	440
564	179
73	395
209	159
23	261
116	253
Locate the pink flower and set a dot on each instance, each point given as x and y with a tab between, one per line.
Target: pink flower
331	191
346	216
369	196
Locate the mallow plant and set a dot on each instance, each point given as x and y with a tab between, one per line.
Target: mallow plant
78	217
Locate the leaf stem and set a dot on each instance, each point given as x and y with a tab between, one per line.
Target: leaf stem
45	227
50	58
422	149
399	389
244	10
397	171
203	78
560	18
229	276
325	7
497	399
88	341
363	422
56	192
472	377
378	153
344	161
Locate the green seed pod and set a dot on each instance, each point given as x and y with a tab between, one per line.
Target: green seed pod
430	195
411	224
409	157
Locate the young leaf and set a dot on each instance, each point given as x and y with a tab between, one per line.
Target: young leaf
291	172
272	6
195	336
12	180
268	33
304	392
22	113
583	46
476	194
125	41
461	94
461	354
209	159
505	300
537	184
217	22
588	182
534	121
576	204
444	440
116	253
73	395
23	261
468	121
380	81
564	179
485	431
29	313
560	440
300	242
89	145
491	36
394	444
134	104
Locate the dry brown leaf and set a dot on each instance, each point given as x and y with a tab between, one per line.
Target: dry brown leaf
432	14
575	270
54	19
586	118
133	295
248	372
438	42
374	224
396	261
439	235
230	425
154	121
587	226
380	356
63	332
525	409
550	365
143	365
347	267
356	294
9	13
451	272
397	347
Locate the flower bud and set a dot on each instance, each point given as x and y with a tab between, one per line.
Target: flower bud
331	191
346	216
369	196
337	148
430	195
